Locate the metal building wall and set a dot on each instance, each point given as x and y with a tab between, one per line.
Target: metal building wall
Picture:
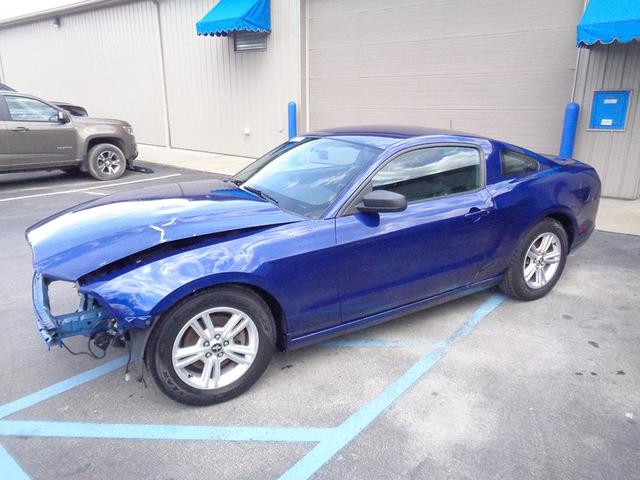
106	60
216	93
502	68
615	155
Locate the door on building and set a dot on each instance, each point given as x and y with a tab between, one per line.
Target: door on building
36	137
439	243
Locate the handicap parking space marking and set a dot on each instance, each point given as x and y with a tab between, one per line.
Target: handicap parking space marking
329	441
9	468
370	343
96	187
313	461
123	431
60	387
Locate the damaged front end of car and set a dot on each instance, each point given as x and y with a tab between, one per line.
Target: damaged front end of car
89	320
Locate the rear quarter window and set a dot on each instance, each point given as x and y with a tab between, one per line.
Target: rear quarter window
513	164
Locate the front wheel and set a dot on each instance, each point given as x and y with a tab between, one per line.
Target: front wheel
212	347
106	162
538	262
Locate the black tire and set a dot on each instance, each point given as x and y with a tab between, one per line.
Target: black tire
159	347
513	282
101	161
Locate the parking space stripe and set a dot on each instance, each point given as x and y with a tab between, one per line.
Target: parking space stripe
100	194
308	465
60	387
76	190
370	343
125	431
9	469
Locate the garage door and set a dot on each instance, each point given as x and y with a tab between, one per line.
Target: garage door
500	68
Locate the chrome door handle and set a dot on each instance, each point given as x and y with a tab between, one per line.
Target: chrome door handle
20	129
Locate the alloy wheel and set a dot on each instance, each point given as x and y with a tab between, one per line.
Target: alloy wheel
215	348
542	260
108	162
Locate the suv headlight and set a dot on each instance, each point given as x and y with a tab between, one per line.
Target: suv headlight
127	129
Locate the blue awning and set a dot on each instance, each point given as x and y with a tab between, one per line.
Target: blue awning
607	21
236	15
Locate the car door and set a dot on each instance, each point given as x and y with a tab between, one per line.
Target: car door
36	137
5	152
437	244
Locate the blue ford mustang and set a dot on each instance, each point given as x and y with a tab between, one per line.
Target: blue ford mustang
330	232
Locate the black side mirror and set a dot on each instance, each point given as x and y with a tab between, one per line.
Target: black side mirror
63	117
382	201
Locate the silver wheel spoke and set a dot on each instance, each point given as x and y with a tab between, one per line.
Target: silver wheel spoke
216	373
241	349
191	359
206	318
544	245
529	271
543	276
234	326
205	377
553	257
198	329
538	280
238	358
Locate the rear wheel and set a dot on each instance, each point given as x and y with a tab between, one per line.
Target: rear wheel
106	162
212	347
538	262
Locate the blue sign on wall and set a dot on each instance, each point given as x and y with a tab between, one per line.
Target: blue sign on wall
609	110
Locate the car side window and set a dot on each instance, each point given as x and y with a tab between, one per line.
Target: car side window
23	109
514	164
431	172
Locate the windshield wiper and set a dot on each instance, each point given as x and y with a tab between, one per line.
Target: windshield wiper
261	194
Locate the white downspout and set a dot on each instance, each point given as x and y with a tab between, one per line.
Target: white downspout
575	73
163	77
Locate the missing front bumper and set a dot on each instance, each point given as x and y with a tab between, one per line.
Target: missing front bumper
87	320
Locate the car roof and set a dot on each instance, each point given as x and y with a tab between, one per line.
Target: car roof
382	136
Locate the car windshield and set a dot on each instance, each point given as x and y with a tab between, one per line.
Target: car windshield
305	175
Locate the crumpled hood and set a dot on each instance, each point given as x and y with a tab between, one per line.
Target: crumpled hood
84	238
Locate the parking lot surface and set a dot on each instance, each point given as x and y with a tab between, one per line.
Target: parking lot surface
483	387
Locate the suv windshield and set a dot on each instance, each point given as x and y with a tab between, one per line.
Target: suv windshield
306	175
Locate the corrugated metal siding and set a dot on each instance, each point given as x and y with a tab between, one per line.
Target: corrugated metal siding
215	93
501	68
615	155
106	60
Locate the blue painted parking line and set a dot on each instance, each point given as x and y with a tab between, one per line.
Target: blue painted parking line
162	432
60	387
329	440
308	465
9	469
370	343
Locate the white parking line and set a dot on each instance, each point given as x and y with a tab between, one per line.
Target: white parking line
88	188
100	194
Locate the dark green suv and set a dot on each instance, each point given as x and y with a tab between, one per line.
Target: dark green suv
37	135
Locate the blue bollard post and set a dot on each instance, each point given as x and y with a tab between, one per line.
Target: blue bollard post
293	124
569	130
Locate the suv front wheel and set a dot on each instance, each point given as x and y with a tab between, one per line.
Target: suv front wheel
106	162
